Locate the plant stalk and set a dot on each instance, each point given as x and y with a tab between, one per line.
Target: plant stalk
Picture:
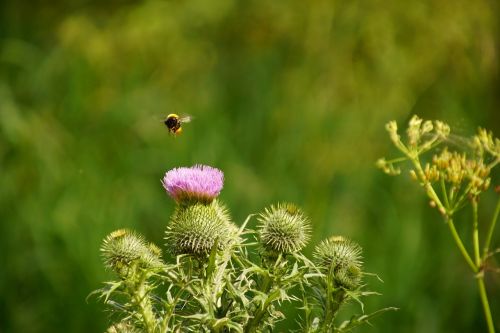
433	196
260	312
475	232
333	304
145	308
486	305
427	185
493	222
460	245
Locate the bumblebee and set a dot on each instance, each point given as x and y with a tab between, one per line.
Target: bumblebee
174	123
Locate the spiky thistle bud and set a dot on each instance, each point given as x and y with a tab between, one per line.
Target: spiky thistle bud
199	183
340	258
283	228
123	250
195	228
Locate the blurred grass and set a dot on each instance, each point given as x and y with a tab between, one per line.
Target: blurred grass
289	99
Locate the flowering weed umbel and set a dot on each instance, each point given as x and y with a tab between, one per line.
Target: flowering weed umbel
452	179
213	285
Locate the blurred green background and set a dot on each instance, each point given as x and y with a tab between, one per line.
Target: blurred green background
289	98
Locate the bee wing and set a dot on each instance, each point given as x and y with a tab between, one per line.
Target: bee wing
456	141
157	118
185	118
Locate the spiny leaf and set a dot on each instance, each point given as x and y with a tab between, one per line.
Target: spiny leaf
358	320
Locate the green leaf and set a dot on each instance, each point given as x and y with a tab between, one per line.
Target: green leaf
107	290
357	320
211	260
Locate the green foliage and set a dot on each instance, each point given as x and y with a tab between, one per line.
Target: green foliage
223	290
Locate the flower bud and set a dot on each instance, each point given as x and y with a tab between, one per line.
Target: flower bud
413	131
283	228
341	259
427	127
124	250
442	129
392	128
195	228
486	184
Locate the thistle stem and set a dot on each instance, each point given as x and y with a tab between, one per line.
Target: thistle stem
329	313
334	301
145	309
334	298
169	312
259	313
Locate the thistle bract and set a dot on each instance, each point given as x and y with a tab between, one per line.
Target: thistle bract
199	183
341	258
122	328
195	228
122	250
283	228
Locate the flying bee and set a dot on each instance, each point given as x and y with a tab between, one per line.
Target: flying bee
174	122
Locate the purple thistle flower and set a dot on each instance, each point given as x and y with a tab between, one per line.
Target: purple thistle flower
198	183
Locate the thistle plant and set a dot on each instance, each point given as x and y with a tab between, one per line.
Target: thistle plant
452	178
224	278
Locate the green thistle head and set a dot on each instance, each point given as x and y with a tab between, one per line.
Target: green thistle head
195	228
123	250
341	258
283	229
